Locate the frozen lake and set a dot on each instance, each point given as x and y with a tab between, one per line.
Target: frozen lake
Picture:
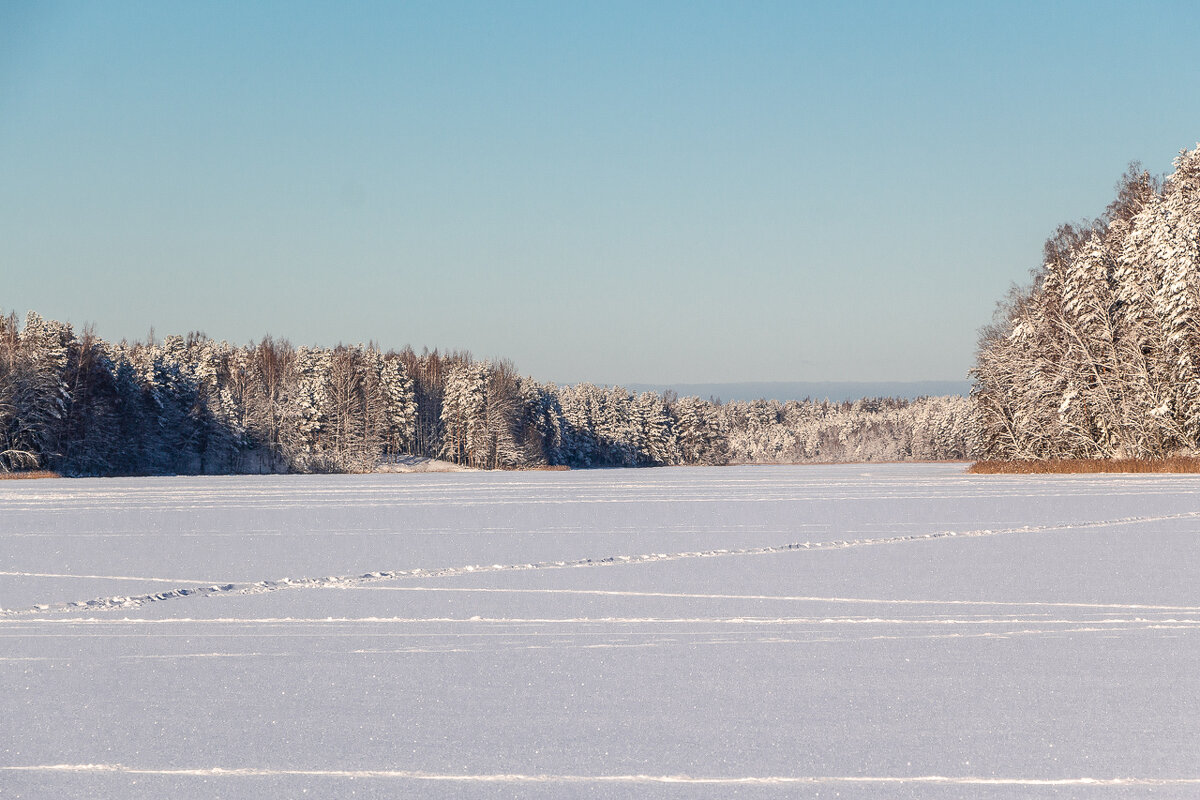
842	631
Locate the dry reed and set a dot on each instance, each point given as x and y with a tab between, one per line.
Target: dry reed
28	474
1071	466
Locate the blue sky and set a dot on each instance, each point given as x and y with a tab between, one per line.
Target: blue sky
614	192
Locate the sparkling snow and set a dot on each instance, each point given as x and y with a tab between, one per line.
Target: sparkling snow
852	631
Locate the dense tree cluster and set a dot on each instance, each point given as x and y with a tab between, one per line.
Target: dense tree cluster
82	406
928	429
1100	356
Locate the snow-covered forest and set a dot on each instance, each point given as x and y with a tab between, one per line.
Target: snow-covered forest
79	405
1100	356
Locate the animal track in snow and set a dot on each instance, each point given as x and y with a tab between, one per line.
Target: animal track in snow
260	587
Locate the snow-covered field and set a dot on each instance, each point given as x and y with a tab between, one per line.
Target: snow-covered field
852	631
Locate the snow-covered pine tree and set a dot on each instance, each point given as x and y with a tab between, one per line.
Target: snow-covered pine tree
308	408
464	414
503	413
580	443
1172	246
89	439
1101	356
539	430
617	427
20	433
400	404
656	434
42	396
697	431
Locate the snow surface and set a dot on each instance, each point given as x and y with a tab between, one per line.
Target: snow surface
849	631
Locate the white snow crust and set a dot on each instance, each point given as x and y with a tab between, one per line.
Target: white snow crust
850	631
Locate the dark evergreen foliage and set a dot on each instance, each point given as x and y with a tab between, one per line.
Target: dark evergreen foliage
81	406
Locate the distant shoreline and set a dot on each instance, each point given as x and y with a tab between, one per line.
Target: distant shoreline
834	391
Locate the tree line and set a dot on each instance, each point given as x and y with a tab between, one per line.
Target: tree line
79	405
1099	357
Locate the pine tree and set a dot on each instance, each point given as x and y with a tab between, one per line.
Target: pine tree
656	433
1101	356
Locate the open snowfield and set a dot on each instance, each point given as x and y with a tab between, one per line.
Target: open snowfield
849	631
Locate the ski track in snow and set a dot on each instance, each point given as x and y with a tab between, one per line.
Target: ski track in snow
175	581
563	640
510	641
739	620
130	602
773	597
516	778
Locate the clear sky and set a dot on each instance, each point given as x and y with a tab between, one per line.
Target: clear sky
613	192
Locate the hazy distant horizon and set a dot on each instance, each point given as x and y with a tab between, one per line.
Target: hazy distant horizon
835	391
